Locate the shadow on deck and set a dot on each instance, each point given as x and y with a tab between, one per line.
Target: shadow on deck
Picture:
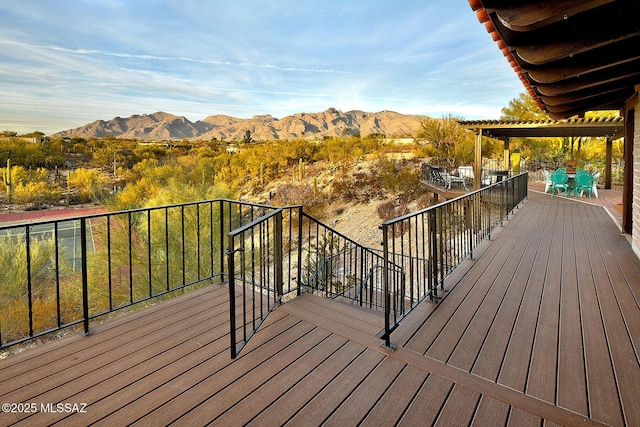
543	325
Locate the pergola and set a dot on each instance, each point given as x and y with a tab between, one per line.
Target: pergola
611	128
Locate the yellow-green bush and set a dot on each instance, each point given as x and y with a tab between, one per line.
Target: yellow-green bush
90	184
38	192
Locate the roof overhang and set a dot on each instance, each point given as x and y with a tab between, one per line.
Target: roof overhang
572	56
609	127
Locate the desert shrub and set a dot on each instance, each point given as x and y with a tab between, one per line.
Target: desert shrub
313	202
424	201
37	193
362	186
392	209
176	191
90	184
401	178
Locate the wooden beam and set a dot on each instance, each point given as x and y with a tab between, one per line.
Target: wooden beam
577	67
607	79
534	15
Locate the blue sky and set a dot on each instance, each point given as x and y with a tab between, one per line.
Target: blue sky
65	63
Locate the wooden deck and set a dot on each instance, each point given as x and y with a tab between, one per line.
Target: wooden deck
542	327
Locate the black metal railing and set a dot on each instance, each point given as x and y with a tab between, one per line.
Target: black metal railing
256	280
427	245
336	266
62	273
287	252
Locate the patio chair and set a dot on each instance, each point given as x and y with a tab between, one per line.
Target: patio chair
453	179
435	176
583	182
547	180
559	181
468	174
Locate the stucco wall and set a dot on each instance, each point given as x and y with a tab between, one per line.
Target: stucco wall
636	180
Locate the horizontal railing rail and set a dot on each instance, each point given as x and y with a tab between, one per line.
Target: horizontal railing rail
429	244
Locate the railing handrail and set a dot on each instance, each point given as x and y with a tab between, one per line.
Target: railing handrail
134	210
255	222
339	233
451	201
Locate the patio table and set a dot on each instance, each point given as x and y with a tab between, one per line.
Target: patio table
571	183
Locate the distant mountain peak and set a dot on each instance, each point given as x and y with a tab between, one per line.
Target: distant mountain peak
328	123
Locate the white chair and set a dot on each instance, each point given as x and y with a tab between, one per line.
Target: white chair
596	177
467	173
453	179
547	180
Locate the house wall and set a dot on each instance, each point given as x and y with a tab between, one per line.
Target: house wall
635	208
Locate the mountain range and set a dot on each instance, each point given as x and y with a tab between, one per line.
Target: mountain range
331	122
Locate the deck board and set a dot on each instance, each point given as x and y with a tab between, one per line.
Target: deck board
334	394
298	396
251	405
389	409
428	402
459	408
540	327
364	397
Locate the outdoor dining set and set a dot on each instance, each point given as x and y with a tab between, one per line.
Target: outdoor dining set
580	182
464	176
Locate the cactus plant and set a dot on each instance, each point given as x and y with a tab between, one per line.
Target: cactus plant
300	170
8	180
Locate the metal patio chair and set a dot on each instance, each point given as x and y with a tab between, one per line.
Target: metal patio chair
560	181
583	182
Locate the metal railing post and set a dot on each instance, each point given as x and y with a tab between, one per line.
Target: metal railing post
277	254
29	284
85	276
300	230
221	223
232	296
468	223
387	294
433	255
503	204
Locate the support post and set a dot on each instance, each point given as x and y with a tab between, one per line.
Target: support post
627	189
607	164
477	161
505	159
299	290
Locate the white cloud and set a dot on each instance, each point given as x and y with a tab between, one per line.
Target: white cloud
63	64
